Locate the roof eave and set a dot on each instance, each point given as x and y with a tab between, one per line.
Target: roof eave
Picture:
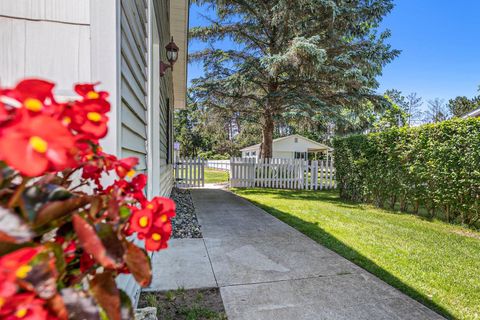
179	31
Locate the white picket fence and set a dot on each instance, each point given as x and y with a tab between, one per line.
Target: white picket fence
189	172
282	174
223	165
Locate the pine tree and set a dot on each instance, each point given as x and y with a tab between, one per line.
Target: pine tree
303	57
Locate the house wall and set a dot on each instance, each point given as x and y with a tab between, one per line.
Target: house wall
71	41
289	145
166	103
45	38
146	108
283	154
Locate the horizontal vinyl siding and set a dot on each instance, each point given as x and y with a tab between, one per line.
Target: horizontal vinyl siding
133	91
134	80
166	97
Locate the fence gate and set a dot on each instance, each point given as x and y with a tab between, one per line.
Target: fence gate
282	174
190	172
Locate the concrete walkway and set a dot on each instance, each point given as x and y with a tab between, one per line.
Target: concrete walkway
267	270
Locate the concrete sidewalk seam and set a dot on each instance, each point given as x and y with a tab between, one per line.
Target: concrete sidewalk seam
210	260
286	280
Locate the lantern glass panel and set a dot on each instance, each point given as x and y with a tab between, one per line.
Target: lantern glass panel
172	56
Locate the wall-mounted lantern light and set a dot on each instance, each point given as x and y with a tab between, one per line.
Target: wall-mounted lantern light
172	57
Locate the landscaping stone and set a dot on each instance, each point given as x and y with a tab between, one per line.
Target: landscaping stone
185	223
148	313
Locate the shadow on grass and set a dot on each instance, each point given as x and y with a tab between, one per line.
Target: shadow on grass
331	196
315	232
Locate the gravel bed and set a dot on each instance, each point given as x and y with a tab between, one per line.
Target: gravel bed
185	224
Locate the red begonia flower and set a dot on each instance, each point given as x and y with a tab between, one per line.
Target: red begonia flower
87	91
33	94
25	306
95	164
36	145
157	238
141	221
86	262
95	121
133	189
3	112
124	167
15	266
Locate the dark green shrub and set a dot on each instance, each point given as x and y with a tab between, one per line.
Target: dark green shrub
434	168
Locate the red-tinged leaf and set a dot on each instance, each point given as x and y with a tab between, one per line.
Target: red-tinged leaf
58	209
105	291
91	243
80	306
57	306
35	197
12	228
113	209
138	263
126	306
111	242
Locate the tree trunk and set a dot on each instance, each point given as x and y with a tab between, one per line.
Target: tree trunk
267	136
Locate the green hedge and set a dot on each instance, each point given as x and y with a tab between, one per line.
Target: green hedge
434	169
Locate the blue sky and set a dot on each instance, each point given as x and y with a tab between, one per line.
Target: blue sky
440	43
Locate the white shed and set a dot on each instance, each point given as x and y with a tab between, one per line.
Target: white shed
290	147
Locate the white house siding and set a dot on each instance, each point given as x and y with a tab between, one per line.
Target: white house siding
166	106
133	90
71	41
146	112
45	38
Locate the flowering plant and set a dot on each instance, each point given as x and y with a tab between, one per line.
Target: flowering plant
65	236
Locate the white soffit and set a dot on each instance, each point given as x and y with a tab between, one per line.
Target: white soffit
179	31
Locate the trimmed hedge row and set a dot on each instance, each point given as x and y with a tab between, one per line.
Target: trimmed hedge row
433	168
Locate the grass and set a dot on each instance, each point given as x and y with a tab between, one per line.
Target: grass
435	263
215	176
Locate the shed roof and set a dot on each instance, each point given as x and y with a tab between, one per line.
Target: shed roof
471	114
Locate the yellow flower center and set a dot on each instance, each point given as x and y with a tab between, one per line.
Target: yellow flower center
23	271
94	116
150	206
21	313
34	105
93	95
38	144
67	120
143	222
156	237
2	302
164	218
131	173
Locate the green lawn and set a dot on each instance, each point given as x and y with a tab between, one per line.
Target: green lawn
433	262
215	176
